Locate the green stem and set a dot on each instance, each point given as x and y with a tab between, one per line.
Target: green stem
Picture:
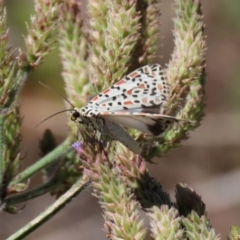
42	163
79	186
45	188
2	164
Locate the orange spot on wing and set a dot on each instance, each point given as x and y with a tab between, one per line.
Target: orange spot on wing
128	103
104	104
160	87
141	86
129	92
95	98
144	100
106	91
122	81
133	74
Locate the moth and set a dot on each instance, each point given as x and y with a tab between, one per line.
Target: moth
136	101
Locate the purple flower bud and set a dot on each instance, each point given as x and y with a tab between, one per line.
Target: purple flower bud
78	147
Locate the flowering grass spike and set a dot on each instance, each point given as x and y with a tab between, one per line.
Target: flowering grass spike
136	101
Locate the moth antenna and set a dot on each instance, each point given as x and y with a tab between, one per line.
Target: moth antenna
57	93
66	110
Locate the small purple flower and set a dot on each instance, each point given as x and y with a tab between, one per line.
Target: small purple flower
78	146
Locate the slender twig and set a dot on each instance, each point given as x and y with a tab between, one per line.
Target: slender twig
1	152
33	193
79	186
45	161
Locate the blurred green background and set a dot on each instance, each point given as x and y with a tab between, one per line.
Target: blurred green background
209	161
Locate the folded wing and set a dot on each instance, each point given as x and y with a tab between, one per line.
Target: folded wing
144	90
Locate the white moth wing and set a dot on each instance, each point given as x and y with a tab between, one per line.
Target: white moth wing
144	90
154	124
120	134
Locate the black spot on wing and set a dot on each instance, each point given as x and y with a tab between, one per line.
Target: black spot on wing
154	67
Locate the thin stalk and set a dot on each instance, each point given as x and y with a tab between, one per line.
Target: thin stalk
79	186
2	164
33	193
42	163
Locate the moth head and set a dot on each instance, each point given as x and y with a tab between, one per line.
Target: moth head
75	114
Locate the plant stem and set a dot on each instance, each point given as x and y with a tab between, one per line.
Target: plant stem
42	163
79	186
33	193
1	153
